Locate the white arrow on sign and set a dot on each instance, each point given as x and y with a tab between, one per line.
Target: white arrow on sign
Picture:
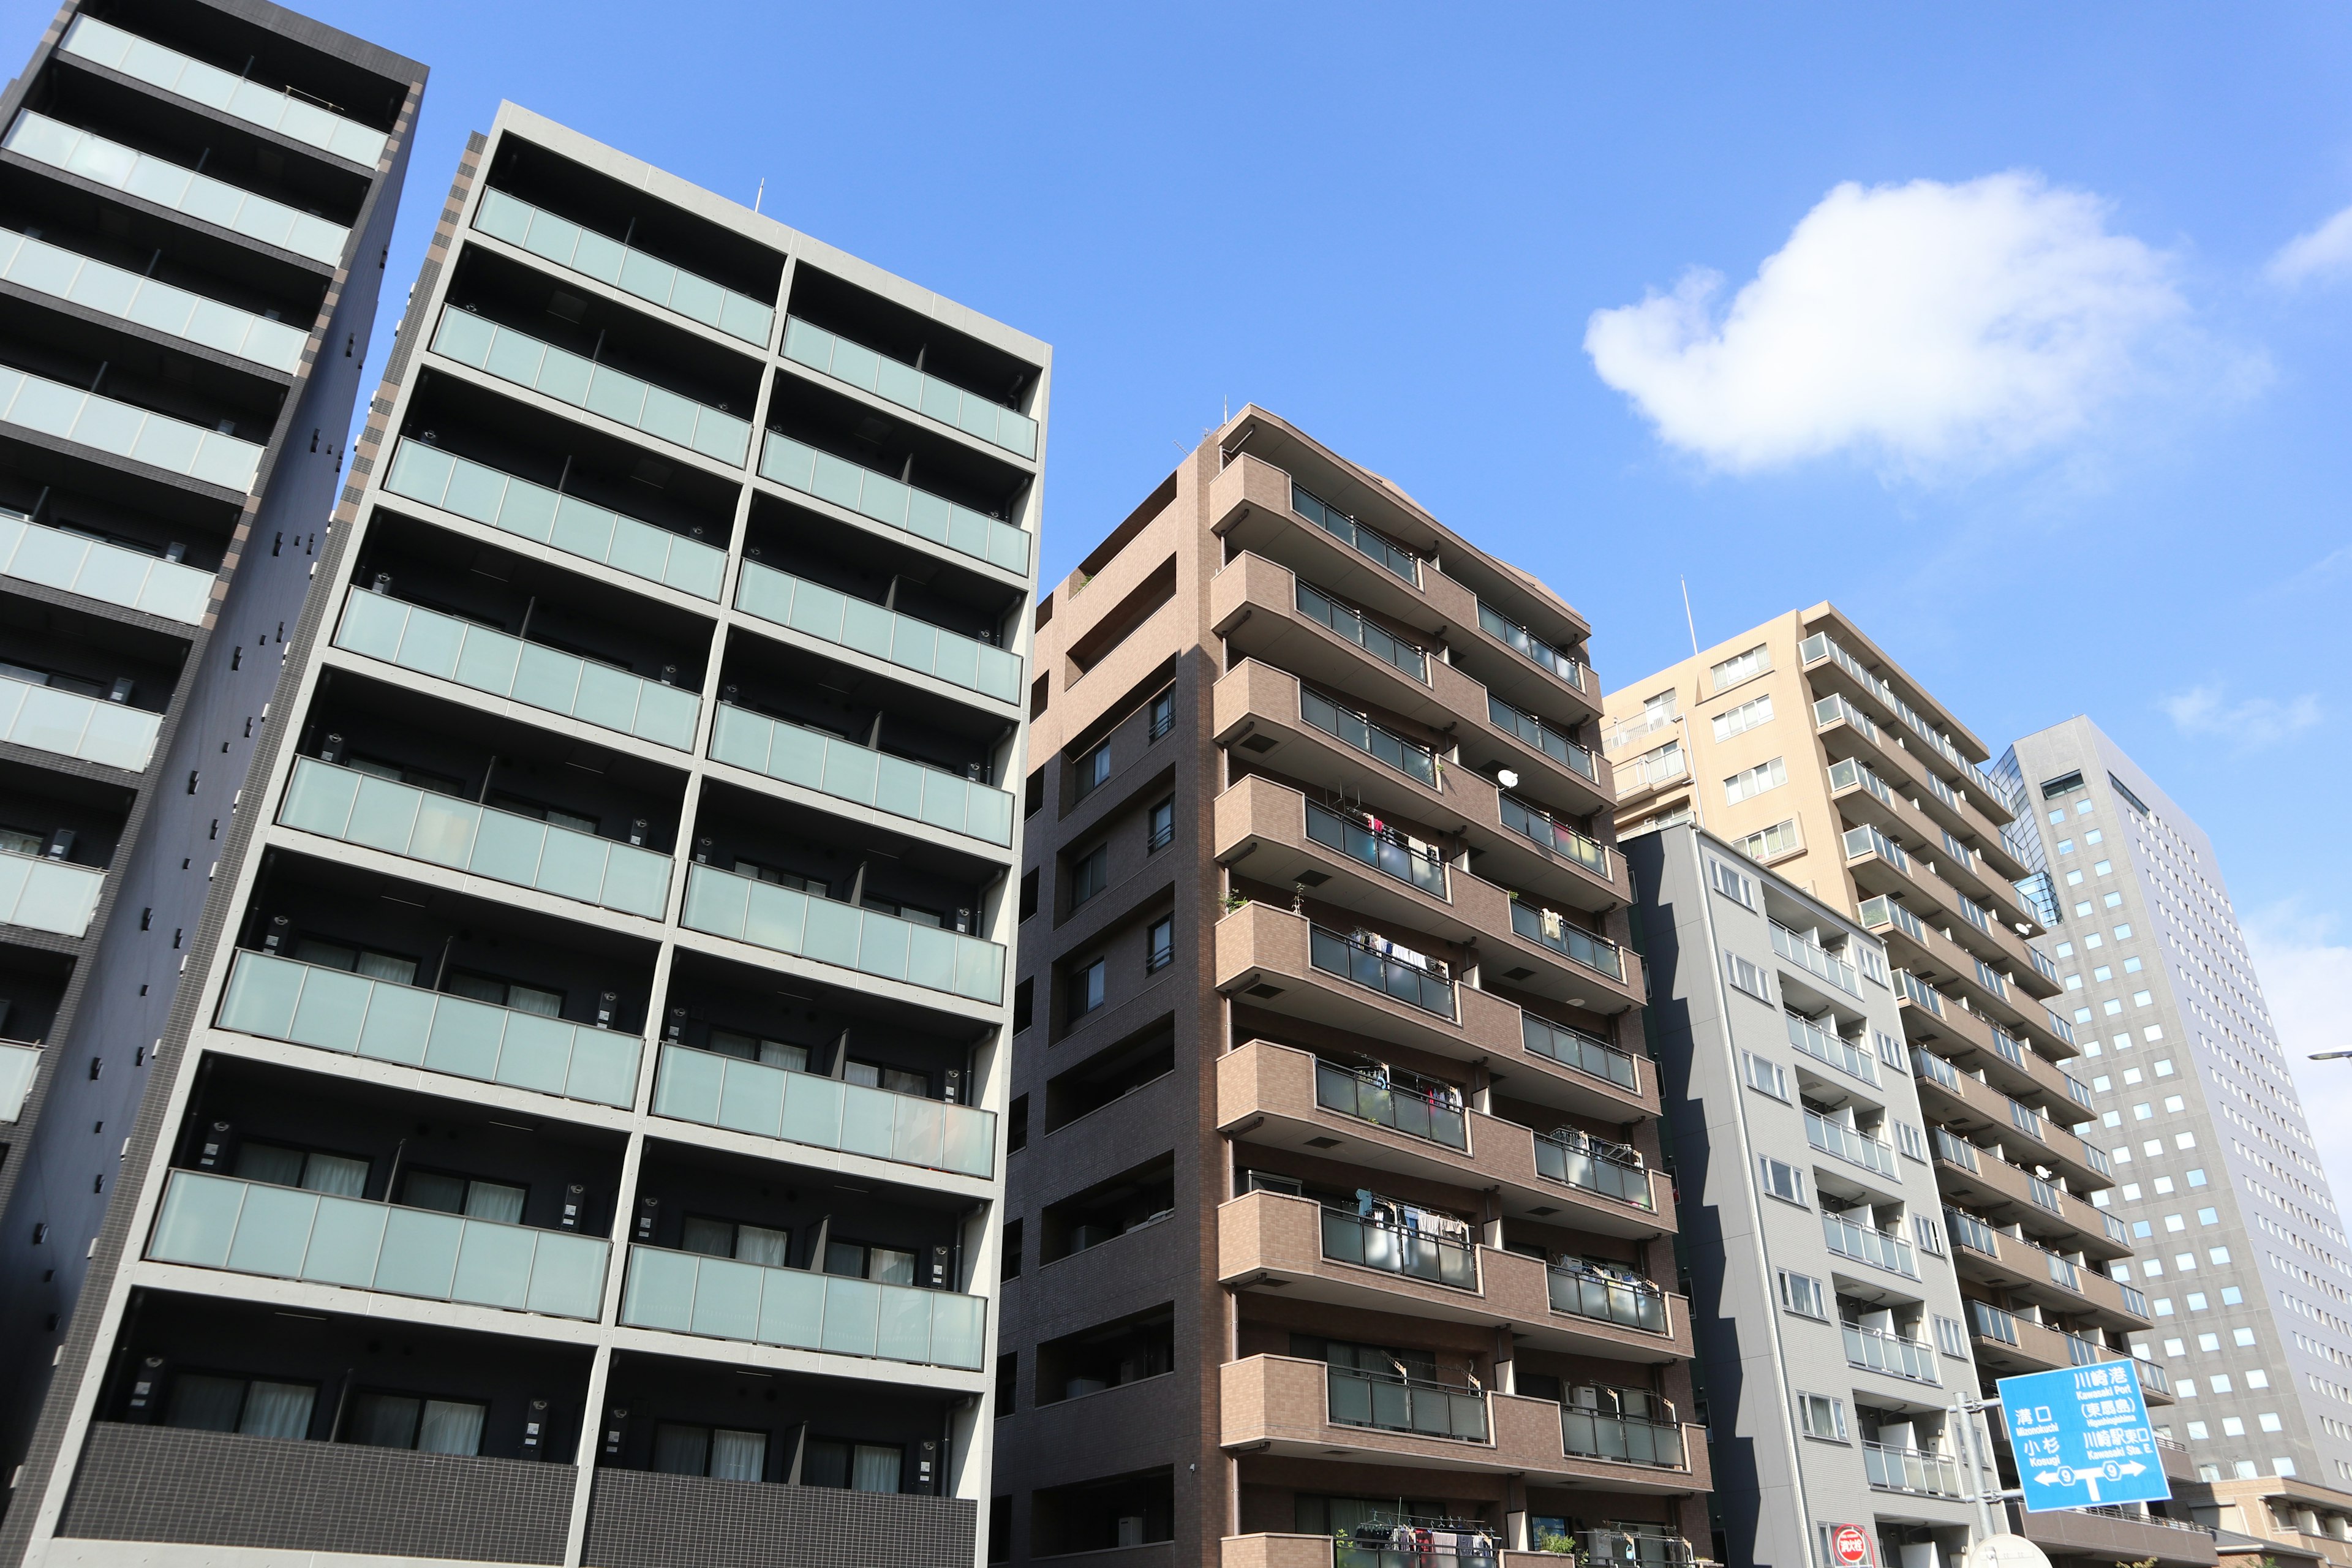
2053	1479
2132	1468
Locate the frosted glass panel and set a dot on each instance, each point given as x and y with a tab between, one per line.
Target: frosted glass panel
719	1297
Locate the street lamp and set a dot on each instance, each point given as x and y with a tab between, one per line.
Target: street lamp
2330	1056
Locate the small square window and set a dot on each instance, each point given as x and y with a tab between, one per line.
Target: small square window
2242	1336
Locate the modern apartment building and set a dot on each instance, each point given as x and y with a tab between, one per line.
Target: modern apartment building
1338	1230
1804	746
2241	1248
1788	1088
194	202
579	1137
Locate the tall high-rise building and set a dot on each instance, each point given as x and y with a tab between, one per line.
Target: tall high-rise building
1339	1231
195	198
1804	746
578	1138
2242	1250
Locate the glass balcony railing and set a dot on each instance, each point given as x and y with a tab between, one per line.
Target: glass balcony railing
532	674
1434	1260
76	563
335	1010
846	771
593	254
1823	1046
2043	1193
2059	1027
1394	1403
1990	1322
1913	989
2152	1375
2009	1049
1508	632
175	186
1606	1299
1913	1470
1649	721
286	1233
2135	1299
1547	927
858	489
1801	951
581	381
19	1063
1551	834
1651	768
159	440
1635	1546
1935	1070
1861	841
2026	1119
1608	1169
111	290
2062	1272
1573	1047
1844	1143
1354	730
898	382
1636	1440
720	1297
785	920
767	1101
1542	737
2043	964
290	114
1956	1151
1866	1244
1378	850
1832	708
42	894
1849	773
1891	1354
1349	622
502	846
1376	547
1883	911
1367	965
49	719
831	616
1416	1112
1966	1230
484	494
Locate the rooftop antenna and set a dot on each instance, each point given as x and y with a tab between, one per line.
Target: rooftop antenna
760	194
1687	617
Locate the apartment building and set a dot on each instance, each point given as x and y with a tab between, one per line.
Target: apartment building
1804	745
1339	1231
581	1138
194	202
2241	1248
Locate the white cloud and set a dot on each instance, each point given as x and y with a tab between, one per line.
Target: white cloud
1923	325
2304	971
2248	723
2324	252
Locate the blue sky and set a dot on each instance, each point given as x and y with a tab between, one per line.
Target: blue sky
1396	229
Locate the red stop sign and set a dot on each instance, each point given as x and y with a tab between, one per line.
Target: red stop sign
1850	1546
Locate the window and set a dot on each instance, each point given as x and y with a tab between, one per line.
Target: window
546	1003
2243	1337
427	1426
856	1260
1025	1005
1159	945
1161	822
1928	1234
1747	716
1780	838
1874	964
752	1048
715	1451
853	1467
897	1080
1746	977
1086	989
1091	772
1951	1337
1912	1140
254	1406
284	1167
1749	783
1765	1076
1163	714
1009	1267
1803	1295
462	1194
1008	1383
1821	1416
1090	875
1740	667
1733	885
1782	1180
356	961
1028	895
745	1243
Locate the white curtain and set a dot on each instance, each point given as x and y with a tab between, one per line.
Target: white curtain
206	1403
711	1238
278	1410
267	1163
768	1248
875	1469
681	1450
545	1003
892	1267
334	1173
450	1428
384	966
739	1456
383	1421
488	1200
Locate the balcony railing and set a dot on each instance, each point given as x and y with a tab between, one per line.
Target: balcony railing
49	895
1992	1324
785	919
1935	1070
797	466
1543	737
500	501
1966	1230
1608	1169
1861	841
532	674
2152	1375
1393	1404
1913	989
2076	1091
1575	1048
846	770
1801	951
1366	966
334	1010
581	383
1373	546
157	439
2062	1272
290	114
1832	708
1638	1548
1419	1113
1604	1299
111	290
175	186
1850	773
1380	851
2135	1299
1649	721
19	1063
2026	1121
1913	1471
2042	963
720	1297
1410	1254
1892	1355
1551	834
1823	1046
1855	1148
2059	1027
502	846
97	569
1547	927
607	261
1992	979
1348	623
1866	1244
1508	632
1956	1151
715	1091
1354	730
286	1233
1883	911
2043	1193
1589	1434
1651	768
2011	1050
894	380
831	616
49	719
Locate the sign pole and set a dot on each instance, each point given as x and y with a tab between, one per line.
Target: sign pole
1966	1412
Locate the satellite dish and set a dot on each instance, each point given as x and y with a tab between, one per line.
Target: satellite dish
1507	778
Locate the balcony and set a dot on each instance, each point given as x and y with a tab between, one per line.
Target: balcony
1982	1179
49	408
1865	1244
1841	1141
94	569
1958	1100
1916	1471
1389	1403
1547	929
634	272
44	894
894	380
846	771
532	674
20	1063
175	188
1566	668
2104	1535
1835	1050
1816	961
1417	1112
832	617
1875	1350
290	114
819	1112
287	1233
568	378
482	494
1364	539
1653	770
785	920
720	1297
111	290
799	467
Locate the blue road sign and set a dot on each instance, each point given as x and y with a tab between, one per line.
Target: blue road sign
2081	1437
